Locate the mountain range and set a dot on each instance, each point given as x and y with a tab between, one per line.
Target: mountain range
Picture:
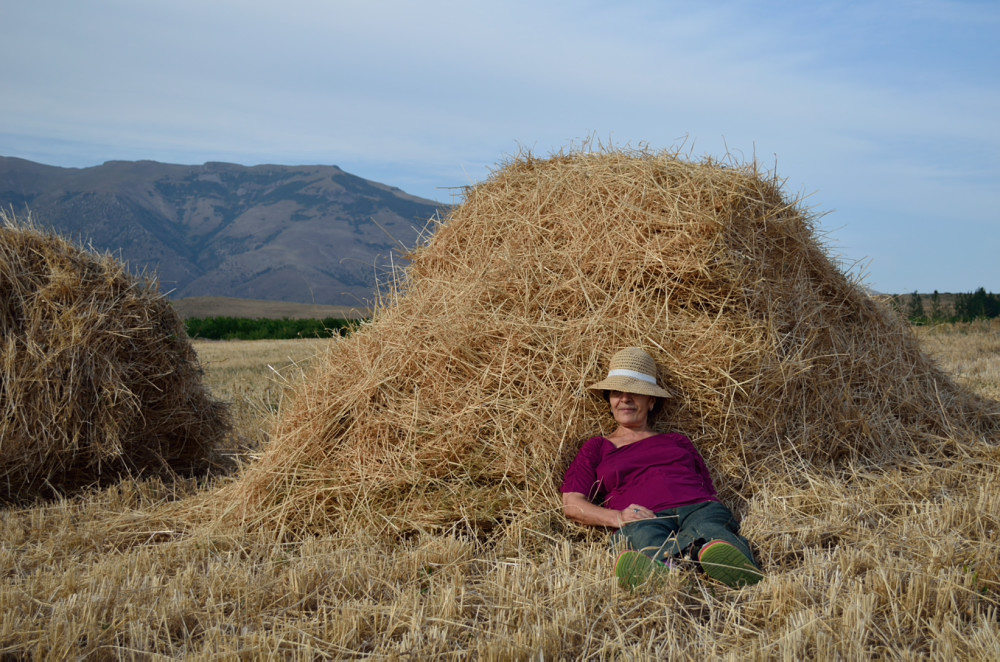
307	234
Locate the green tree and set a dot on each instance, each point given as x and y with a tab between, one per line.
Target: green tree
915	311
977	305
937	315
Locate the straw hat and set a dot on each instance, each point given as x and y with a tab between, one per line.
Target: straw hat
632	371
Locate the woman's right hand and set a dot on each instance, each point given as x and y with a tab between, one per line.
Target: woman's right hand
579	509
635	512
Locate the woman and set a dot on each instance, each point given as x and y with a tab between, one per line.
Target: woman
654	488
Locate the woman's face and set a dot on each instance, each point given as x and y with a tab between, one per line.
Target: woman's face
630	409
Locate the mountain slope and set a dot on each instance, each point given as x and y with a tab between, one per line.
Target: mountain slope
310	234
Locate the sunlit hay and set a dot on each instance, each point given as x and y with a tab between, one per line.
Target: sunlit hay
866	562
98	375
462	401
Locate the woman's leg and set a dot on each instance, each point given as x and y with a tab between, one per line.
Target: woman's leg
716	544
653	537
702	523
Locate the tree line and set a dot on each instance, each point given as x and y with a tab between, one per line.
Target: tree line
243	328
966	307
918	309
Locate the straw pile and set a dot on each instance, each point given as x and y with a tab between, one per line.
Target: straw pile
98	376
462	402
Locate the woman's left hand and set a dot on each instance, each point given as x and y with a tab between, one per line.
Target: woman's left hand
635	512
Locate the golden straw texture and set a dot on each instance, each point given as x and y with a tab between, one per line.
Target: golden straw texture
463	400
98	375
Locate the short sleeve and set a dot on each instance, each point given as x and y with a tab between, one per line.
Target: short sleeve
581	476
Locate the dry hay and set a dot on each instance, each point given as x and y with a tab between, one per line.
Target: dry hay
98	375
461	402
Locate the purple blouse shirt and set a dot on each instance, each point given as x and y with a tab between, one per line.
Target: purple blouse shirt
660	472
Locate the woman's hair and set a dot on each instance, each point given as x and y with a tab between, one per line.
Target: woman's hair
654	413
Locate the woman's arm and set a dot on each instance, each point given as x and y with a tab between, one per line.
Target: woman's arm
579	509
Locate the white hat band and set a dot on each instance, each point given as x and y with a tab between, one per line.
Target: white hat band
635	375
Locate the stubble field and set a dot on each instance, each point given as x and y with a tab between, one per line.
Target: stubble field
900	563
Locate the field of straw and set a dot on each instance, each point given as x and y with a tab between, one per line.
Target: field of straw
900	564
396	490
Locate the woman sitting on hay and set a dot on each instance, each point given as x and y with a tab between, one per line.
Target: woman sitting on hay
653	488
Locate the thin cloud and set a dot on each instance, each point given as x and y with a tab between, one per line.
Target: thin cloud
885	111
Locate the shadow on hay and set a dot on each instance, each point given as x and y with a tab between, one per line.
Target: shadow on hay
99	379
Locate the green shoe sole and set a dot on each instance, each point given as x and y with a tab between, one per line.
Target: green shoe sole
634	569
727	564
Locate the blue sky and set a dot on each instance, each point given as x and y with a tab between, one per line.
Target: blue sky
885	114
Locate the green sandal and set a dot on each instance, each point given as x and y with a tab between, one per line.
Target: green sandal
727	564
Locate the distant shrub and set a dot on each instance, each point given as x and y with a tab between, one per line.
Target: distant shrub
243	328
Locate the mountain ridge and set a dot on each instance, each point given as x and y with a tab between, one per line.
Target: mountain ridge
308	234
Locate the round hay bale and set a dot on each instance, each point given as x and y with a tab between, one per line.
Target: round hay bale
97	376
463	400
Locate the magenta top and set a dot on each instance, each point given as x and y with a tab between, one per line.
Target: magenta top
660	472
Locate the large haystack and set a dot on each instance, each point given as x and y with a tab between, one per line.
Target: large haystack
464	399
98	376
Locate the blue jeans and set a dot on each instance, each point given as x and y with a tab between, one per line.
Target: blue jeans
683	531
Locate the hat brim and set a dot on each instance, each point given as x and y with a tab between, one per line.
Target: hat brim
630	385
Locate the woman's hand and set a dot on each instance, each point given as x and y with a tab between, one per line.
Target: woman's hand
579	509
635	512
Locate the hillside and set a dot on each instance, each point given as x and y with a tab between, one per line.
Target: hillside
306	234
